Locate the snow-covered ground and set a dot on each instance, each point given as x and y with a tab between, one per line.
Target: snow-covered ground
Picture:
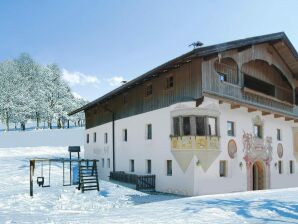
117	204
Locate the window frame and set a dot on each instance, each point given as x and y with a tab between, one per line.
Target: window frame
169	167
87	139
109	163
105	138
125	135
292	166
94	136
149	133
232	130
280	167
225	168
148	166
169	82
132	165
259	129
102	162
178	125
149	90
278	134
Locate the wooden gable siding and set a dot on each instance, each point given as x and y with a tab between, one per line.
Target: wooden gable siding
213	86
187	87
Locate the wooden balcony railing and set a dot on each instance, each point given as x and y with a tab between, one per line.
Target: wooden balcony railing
195	143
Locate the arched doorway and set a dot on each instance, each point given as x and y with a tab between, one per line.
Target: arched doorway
258	172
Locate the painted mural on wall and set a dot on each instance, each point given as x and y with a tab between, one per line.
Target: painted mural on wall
256	148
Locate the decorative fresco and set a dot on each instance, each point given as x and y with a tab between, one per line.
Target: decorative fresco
204	149
257	150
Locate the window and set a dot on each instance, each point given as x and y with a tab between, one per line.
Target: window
258	85
102	162
278	135
125	135
258	131
200	126
280	168
87	138
106	138
223	168
94	137
222	77
109	162
186	126
149	131
149	90
169	168
131	165
212	130
191	125
292	170
169	82
231	131
176	126
149	166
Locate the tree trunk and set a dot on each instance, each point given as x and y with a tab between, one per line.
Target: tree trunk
67	123
37	121
7	121
23	126
49	124
59	123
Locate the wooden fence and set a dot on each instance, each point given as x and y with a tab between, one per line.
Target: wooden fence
142	182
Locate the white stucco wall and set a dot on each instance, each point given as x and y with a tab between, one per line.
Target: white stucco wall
194	181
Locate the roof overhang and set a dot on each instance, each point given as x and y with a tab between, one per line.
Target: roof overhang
279	41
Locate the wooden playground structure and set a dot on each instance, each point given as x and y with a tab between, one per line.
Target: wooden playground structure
86	178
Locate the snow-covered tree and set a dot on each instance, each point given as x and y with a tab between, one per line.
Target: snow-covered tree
29	90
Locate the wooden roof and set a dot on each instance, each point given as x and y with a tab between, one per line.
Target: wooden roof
279	41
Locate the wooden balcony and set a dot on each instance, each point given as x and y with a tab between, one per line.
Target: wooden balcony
201	143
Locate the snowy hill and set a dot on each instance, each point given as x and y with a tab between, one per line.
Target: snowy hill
42	137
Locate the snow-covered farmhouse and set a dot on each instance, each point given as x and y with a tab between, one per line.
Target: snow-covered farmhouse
221	118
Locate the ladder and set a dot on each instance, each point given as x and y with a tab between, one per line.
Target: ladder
88	176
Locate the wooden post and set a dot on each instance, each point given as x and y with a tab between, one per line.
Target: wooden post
31	177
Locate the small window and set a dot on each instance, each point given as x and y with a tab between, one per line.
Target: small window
200	126
125	135
258	131
132	165
186	126
169	168
222	77
231	131
102	162
223	168
94	137
278	135
176	126
125	99
87	138
149	131
109	163
292	169
149	166
280	168
212	129
106	138
149	90
169	82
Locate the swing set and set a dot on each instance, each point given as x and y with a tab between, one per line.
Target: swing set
44	175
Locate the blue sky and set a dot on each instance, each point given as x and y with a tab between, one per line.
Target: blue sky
99	43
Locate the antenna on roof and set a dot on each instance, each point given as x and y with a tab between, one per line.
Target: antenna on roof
196	44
